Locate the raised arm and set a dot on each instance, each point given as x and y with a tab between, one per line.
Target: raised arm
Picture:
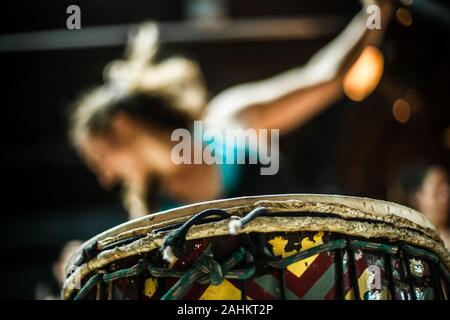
289	99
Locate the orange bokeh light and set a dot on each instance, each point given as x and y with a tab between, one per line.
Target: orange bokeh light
365	74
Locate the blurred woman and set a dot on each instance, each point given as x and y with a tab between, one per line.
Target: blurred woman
425	187
122	129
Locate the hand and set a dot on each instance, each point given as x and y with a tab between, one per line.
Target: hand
366	3
381	3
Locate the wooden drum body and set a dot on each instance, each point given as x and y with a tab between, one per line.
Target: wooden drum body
266	247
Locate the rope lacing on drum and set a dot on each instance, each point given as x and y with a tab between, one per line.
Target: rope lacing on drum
236	223
174	241
206	270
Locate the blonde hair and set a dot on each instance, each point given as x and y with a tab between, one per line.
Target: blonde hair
176	81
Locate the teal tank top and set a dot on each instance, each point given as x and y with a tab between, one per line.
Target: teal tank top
230	173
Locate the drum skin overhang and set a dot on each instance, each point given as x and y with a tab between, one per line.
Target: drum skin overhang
353	216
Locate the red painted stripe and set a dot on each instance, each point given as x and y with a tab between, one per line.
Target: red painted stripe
256	292
301	285
332	294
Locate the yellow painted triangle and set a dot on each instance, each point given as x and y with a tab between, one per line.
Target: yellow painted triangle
298	268
350	295
224	291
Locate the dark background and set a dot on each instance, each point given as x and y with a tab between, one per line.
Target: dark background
49	197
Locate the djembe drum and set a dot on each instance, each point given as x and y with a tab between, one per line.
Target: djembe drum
266	247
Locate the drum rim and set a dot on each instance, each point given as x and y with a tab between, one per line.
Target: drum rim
368	206
372	206
352	201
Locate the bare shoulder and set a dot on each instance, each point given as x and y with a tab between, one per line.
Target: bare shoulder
223	110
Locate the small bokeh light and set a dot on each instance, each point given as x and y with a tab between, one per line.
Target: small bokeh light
404	16
401	110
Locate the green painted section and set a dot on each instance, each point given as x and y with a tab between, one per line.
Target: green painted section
272	286
323	285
